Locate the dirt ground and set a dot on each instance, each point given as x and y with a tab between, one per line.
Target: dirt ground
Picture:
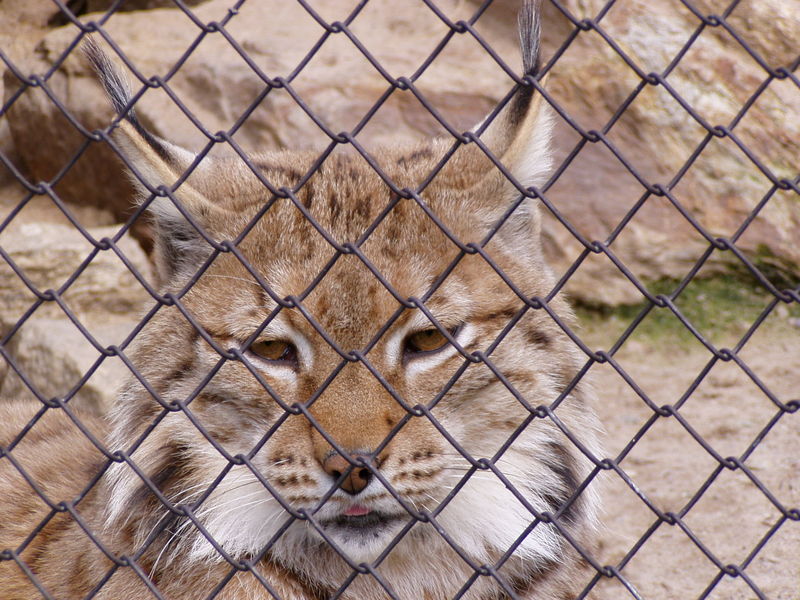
732	517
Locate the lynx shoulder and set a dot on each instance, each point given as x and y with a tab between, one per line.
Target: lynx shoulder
340	373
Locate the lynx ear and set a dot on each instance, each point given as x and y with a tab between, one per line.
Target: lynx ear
519	137
153	162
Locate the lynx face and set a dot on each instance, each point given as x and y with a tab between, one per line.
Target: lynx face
332	398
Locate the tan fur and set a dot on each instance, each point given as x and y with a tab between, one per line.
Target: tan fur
418	464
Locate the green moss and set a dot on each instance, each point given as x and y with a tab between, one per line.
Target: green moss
721	308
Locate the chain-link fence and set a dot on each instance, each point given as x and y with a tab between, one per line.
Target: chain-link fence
350	373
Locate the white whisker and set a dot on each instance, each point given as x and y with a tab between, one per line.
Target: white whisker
250	281
200	514
507	470
517	482
269	521
181	496
217	505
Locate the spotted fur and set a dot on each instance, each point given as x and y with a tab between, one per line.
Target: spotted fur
197	407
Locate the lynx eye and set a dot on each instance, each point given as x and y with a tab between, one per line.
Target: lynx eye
275	350
427	340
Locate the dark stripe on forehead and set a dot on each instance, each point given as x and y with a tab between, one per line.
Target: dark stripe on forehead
423	153
291	172
334	206
505	314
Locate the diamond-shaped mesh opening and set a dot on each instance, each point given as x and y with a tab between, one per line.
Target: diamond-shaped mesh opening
287	324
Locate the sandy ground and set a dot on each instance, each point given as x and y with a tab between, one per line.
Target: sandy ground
732	517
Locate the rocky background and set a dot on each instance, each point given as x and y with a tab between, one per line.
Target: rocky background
589	81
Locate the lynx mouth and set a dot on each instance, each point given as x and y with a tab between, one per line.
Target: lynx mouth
372	520
362	536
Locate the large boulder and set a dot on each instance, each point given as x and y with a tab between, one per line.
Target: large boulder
48	348
717	77
589	81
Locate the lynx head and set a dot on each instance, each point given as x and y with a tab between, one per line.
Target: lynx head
339	354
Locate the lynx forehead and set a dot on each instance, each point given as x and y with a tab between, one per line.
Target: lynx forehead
334	375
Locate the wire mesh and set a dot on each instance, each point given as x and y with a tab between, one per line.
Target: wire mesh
179	514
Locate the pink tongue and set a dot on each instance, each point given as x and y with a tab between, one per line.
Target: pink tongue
357	511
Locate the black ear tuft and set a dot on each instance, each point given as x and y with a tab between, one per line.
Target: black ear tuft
529	35
153	163
116	86
529	31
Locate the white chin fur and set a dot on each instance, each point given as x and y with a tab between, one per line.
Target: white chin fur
483	516
357	546
240	515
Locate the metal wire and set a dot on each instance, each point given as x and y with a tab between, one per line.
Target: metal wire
649	189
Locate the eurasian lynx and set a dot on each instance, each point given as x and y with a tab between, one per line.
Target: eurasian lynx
290	496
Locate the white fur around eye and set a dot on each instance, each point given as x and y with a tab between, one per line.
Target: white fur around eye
426	362
276	371
279	329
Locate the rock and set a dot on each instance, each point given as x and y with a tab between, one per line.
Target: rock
589	81
38	350
22	25
47	347
24	14
49	254
657	136
94	180
42	209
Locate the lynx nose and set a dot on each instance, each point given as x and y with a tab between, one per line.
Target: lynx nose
357	477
